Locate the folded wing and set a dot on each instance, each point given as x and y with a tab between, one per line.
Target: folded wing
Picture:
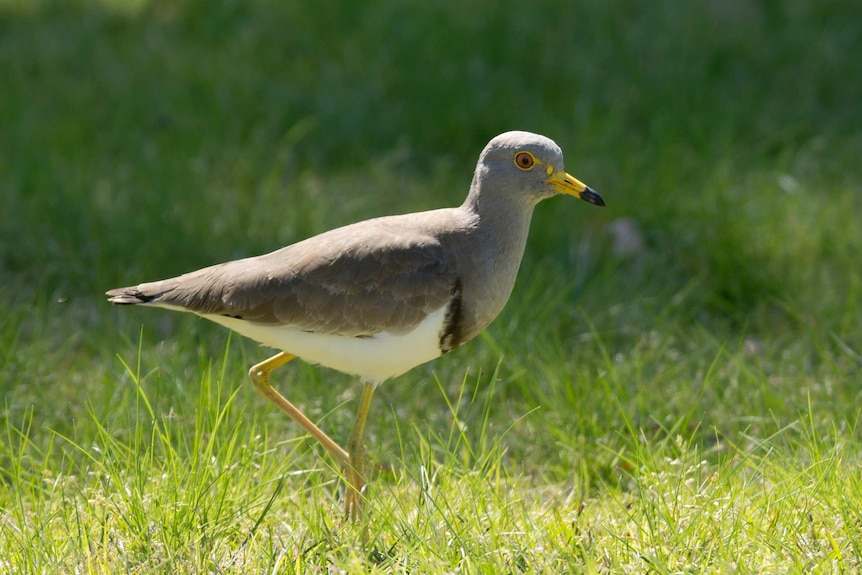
355	281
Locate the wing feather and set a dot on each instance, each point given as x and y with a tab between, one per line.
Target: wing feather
358	280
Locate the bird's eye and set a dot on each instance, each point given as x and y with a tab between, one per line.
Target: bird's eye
525	160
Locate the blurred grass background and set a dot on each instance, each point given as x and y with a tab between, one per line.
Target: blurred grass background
139	140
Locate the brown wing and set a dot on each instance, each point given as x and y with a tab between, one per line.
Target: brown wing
357	280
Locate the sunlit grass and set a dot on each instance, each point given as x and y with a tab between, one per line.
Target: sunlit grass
208	485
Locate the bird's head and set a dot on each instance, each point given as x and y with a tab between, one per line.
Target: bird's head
527	163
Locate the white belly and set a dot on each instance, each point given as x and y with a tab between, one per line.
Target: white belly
376	357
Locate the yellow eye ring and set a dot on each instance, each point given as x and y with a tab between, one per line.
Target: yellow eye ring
525	160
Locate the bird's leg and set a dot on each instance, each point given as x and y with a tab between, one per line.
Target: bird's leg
260	377
355	470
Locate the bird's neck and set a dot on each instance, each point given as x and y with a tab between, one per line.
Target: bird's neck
503	217
500	236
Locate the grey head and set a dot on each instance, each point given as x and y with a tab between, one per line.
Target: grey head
526	167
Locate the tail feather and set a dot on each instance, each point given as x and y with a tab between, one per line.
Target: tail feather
129	296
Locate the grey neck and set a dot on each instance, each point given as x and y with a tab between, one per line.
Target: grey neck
498	246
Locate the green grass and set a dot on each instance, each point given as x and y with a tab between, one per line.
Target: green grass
692	407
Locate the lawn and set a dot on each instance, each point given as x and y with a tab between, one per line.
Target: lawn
674	387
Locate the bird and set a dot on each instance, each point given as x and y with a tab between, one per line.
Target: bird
379	297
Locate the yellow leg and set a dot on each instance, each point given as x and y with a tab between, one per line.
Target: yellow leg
355	470
260	377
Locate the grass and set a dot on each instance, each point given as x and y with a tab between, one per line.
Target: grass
689	406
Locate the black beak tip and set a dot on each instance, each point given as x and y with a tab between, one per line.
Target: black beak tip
589	195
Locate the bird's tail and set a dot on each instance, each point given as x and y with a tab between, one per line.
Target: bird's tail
129	296
143	293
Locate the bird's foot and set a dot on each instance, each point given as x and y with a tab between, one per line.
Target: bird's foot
354	489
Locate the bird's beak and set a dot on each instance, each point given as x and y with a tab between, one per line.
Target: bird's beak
567	184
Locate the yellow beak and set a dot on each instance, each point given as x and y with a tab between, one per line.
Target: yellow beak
567	184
